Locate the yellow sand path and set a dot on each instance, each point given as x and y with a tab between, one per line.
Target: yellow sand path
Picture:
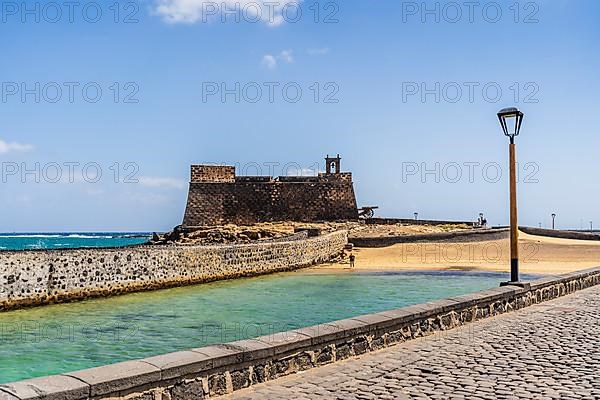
538	254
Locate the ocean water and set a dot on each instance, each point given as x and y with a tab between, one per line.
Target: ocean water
67	337
70	240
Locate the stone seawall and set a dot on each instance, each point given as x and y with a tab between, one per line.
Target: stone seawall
408	221
219	369
37	277
471	235
560	234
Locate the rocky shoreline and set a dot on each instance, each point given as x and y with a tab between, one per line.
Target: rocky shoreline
244	234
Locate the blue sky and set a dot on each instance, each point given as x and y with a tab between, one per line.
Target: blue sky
406	92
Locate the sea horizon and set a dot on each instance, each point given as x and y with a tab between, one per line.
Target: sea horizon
70	240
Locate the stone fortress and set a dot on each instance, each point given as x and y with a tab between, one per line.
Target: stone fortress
217	196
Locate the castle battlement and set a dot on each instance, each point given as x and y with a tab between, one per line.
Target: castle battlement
218	196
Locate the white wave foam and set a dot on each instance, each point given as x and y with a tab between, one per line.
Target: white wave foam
71	236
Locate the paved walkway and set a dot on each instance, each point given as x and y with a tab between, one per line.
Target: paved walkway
547	351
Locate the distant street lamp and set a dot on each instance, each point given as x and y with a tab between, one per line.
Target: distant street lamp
416	216
540	225
553	219
511	120
592	226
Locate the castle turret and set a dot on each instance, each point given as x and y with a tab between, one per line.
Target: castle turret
333	165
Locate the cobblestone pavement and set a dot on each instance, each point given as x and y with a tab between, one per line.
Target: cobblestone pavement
547	351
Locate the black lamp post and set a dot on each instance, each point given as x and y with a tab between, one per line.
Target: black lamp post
511	120
553	218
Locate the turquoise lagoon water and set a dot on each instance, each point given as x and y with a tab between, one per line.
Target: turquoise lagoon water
70	240
67	337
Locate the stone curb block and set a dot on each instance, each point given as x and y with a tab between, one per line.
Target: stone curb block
254	349
222	354
182	363
323	333
117	377
57	387
285	342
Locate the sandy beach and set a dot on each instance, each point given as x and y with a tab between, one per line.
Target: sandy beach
539	255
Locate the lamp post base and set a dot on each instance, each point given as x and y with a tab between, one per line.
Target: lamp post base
524	285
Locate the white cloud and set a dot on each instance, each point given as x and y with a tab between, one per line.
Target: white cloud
287	56
146	198
95	192
20	200
6	147
270	61
272	13
161	182
24	198
318	52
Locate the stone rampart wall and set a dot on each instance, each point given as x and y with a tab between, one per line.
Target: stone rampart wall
560	234
249	200
212	173
471	235
29	278
408	221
